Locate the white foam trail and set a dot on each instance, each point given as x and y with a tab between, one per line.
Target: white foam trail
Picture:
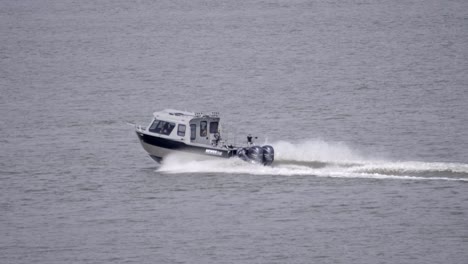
414	166
335	159
316	150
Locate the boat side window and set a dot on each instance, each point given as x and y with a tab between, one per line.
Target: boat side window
193	131
181	130
162	127
203	128
213	127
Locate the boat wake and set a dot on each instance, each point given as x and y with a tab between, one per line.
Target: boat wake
321	159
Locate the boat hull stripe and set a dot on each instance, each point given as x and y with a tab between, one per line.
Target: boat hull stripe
181	146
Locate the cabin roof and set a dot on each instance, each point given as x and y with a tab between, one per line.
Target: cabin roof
177	115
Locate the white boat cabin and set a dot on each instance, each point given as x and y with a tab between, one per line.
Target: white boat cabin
190	128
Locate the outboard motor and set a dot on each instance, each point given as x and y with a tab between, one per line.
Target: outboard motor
256	154
268	155
251	154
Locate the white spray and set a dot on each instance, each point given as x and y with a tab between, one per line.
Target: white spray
321	159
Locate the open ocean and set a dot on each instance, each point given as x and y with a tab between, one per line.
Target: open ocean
365	102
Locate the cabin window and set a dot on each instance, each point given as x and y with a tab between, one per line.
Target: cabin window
213	127
181	130
161	127
193	131
203	128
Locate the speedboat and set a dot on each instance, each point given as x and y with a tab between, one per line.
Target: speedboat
174	131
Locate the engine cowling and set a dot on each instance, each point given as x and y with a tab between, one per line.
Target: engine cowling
268	155
256	154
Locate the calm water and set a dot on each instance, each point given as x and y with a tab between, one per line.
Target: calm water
364	101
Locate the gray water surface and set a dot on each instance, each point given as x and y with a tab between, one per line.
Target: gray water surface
365	103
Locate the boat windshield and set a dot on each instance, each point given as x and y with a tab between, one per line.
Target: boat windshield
161	127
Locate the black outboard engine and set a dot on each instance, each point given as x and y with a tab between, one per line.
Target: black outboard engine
251	154
256	154
268	155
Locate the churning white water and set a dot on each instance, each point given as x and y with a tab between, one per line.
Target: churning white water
321	159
